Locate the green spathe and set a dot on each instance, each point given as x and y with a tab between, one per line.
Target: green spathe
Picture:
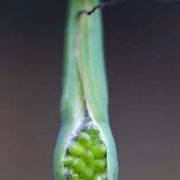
84	86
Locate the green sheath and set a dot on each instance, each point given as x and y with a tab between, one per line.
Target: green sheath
84	88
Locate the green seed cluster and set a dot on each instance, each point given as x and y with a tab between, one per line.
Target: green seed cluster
85	158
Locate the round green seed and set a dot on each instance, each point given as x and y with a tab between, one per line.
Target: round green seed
88	157
68	160
78	165
99	150
93	132
75	149
99	165
87	173
85	140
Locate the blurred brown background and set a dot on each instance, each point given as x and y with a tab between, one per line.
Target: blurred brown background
142	47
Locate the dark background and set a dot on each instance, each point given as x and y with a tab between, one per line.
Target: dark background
142	48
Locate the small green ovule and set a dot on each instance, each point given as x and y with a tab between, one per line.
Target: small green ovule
86	156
